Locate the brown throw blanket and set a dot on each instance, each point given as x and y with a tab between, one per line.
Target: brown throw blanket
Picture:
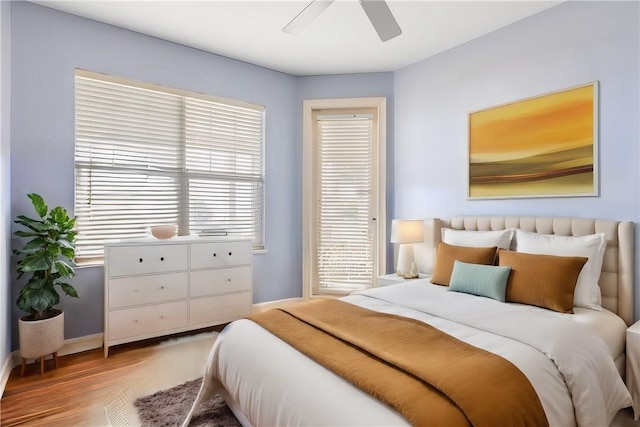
429	377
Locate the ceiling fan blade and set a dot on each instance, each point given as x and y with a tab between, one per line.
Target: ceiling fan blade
381	18
304	18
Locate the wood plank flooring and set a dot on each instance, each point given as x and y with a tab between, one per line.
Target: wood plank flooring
67	396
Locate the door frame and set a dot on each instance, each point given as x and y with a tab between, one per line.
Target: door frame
309	106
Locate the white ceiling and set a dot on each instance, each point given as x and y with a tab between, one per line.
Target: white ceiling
341	40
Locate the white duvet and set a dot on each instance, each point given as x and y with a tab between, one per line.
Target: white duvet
271	384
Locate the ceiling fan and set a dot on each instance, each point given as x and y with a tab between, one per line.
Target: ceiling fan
377	11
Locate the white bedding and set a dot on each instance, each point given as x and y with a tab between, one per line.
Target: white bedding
607	325
272	384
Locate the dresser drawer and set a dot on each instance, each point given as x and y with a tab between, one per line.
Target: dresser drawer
131	322
127	260
127	291
219	309
219	281
220	254
159	287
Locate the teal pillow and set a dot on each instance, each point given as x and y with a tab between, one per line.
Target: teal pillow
483	280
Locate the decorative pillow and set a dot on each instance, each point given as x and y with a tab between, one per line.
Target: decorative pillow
483	280
587	293
447	254
543	280
478	239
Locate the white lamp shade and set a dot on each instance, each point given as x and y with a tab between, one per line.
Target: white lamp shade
407	231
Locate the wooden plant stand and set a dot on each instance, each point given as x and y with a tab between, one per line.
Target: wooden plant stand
41	359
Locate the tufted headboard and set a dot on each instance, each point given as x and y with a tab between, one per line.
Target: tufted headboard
617	276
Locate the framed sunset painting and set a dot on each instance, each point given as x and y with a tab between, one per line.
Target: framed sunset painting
545	146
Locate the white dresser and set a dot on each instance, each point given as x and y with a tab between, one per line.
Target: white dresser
158	287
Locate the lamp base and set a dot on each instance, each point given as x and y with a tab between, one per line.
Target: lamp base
409	276
405	260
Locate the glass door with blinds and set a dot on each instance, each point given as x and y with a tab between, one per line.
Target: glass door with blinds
344	226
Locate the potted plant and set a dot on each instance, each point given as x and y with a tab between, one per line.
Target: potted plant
47	257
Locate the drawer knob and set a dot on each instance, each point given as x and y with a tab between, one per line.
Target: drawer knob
228	280
161	258
214	254
140	259
161	287
229	253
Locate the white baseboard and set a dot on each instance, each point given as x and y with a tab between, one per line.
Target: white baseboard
92	342
7	366
71	346
264	306
80	344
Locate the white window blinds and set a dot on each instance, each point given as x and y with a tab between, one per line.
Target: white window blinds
343	209
147	155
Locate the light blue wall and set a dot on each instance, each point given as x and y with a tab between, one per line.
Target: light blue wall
565	46
5	182
352	86
48	45
428	105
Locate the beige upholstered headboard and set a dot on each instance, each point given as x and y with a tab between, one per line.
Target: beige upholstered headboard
617	277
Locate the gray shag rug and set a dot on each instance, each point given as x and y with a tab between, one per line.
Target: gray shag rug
168	408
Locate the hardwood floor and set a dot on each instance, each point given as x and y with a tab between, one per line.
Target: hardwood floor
67	396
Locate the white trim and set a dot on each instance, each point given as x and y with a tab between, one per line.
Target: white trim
380	104
344	116
80	344
7	367
71	346
265	306
95	341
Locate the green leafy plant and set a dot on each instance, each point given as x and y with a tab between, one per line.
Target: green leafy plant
47	257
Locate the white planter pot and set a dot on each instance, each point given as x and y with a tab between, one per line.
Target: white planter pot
41	337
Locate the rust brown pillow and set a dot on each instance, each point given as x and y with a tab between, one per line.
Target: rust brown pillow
542	280
446	255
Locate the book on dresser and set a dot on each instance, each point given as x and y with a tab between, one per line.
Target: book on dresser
159	287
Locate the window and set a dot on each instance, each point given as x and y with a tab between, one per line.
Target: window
148	155
343	194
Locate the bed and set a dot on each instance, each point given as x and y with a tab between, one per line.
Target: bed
575	362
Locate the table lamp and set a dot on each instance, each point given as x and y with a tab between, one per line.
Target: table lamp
406	232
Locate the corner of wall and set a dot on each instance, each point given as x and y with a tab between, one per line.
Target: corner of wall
7	367
5	190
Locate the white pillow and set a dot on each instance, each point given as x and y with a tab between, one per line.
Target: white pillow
478	239
587	292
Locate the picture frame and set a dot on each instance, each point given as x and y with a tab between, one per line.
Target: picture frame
542	146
